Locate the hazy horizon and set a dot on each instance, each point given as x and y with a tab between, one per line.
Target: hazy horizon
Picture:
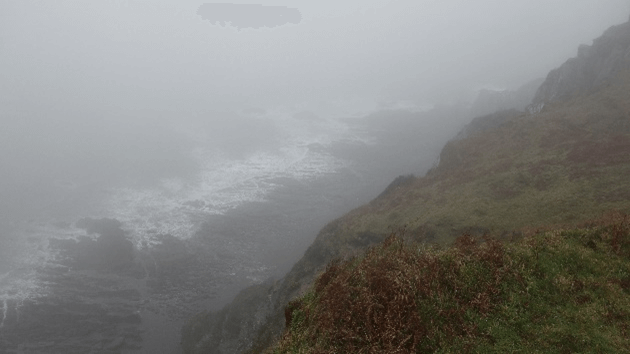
161	58
99	90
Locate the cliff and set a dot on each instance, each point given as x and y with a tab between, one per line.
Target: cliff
595	66
506	173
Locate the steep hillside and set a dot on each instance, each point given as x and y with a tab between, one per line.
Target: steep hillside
512	170
504	174
595	66
561	291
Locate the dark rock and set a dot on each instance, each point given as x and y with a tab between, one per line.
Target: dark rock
110	251
594	66
232	329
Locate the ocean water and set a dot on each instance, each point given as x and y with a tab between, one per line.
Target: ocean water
197	238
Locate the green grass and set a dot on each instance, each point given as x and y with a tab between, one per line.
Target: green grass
559	291
554	291
563	166
556	169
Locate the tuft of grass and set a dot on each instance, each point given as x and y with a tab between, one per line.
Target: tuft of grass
558	291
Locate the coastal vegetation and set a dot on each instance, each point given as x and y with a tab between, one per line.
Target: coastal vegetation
517	239
561	290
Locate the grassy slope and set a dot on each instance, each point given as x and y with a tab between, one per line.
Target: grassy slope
561	291
563	166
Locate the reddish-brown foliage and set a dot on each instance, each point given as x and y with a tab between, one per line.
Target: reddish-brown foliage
394	298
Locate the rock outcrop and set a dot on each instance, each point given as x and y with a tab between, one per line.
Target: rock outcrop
595	65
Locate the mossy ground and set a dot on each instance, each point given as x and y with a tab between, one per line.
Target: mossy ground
567	164
562	291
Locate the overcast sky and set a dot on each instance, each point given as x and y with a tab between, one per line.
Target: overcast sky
135	55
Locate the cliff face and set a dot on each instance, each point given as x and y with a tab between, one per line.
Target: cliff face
510	171
595	65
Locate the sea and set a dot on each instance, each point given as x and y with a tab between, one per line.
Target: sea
118	264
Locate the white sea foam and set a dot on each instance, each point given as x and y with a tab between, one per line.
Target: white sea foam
176	206
30	252
222	184
18	286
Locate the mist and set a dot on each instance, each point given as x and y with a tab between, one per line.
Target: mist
240	138
111	78
162	59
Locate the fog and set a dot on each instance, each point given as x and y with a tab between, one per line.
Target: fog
155	112
106	77
148	58
101	94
